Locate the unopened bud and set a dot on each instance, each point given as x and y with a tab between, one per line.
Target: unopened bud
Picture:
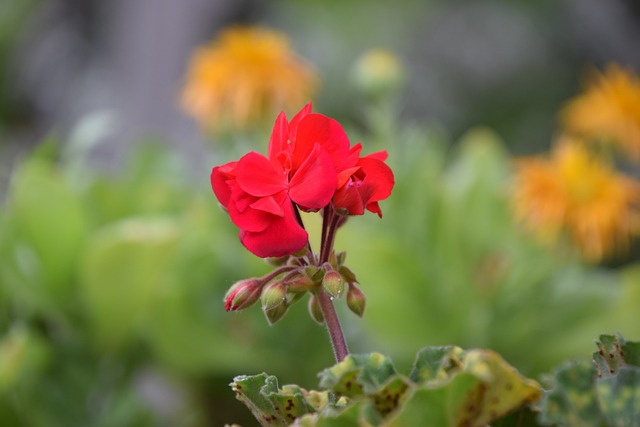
276	313
341	256
356	300
315	311
333	284
273	295
243	294
347	274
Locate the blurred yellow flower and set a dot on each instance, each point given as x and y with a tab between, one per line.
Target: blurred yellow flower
575	193
246	75
608	110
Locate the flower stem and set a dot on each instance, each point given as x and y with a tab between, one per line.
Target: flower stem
299	219
334	221
330	223
339	344
275	273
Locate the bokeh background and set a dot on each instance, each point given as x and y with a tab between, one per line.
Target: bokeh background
114	257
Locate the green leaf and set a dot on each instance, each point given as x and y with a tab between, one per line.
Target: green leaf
349	417
609	356
270	405
434	362
503	390
606	392
358	374
500	388
444	406
619	397
571	401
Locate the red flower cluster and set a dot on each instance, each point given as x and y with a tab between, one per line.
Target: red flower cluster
310	164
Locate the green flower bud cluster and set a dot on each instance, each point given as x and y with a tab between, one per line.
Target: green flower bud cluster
292	277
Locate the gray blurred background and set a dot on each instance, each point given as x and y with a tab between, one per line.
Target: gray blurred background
505	64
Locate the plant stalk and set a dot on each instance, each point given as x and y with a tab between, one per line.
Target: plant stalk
339	344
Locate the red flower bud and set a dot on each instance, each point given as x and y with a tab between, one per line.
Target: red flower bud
243	294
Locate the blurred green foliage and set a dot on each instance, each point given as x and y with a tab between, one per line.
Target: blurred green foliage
108	283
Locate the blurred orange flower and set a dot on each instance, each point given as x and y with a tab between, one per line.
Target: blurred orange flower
608	111
246	75
575	193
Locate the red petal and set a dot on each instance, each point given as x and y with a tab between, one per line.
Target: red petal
316	128
246	217
375	208
269	205
284	236
372	182
313	184
220	177
349	198
378	181
295	121
257	175
380	155
279	137
344	176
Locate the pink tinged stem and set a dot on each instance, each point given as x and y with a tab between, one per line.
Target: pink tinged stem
330	223
334	222
339	344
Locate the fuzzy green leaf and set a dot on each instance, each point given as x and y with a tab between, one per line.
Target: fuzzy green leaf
609	356
441	406
434	362
619	397
572	401
358	374
273	406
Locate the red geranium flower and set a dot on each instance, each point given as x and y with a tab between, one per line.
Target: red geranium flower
261	193
365	185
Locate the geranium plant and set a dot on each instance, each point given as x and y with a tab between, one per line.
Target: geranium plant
311	166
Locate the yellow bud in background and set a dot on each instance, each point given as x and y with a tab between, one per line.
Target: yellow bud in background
378	73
